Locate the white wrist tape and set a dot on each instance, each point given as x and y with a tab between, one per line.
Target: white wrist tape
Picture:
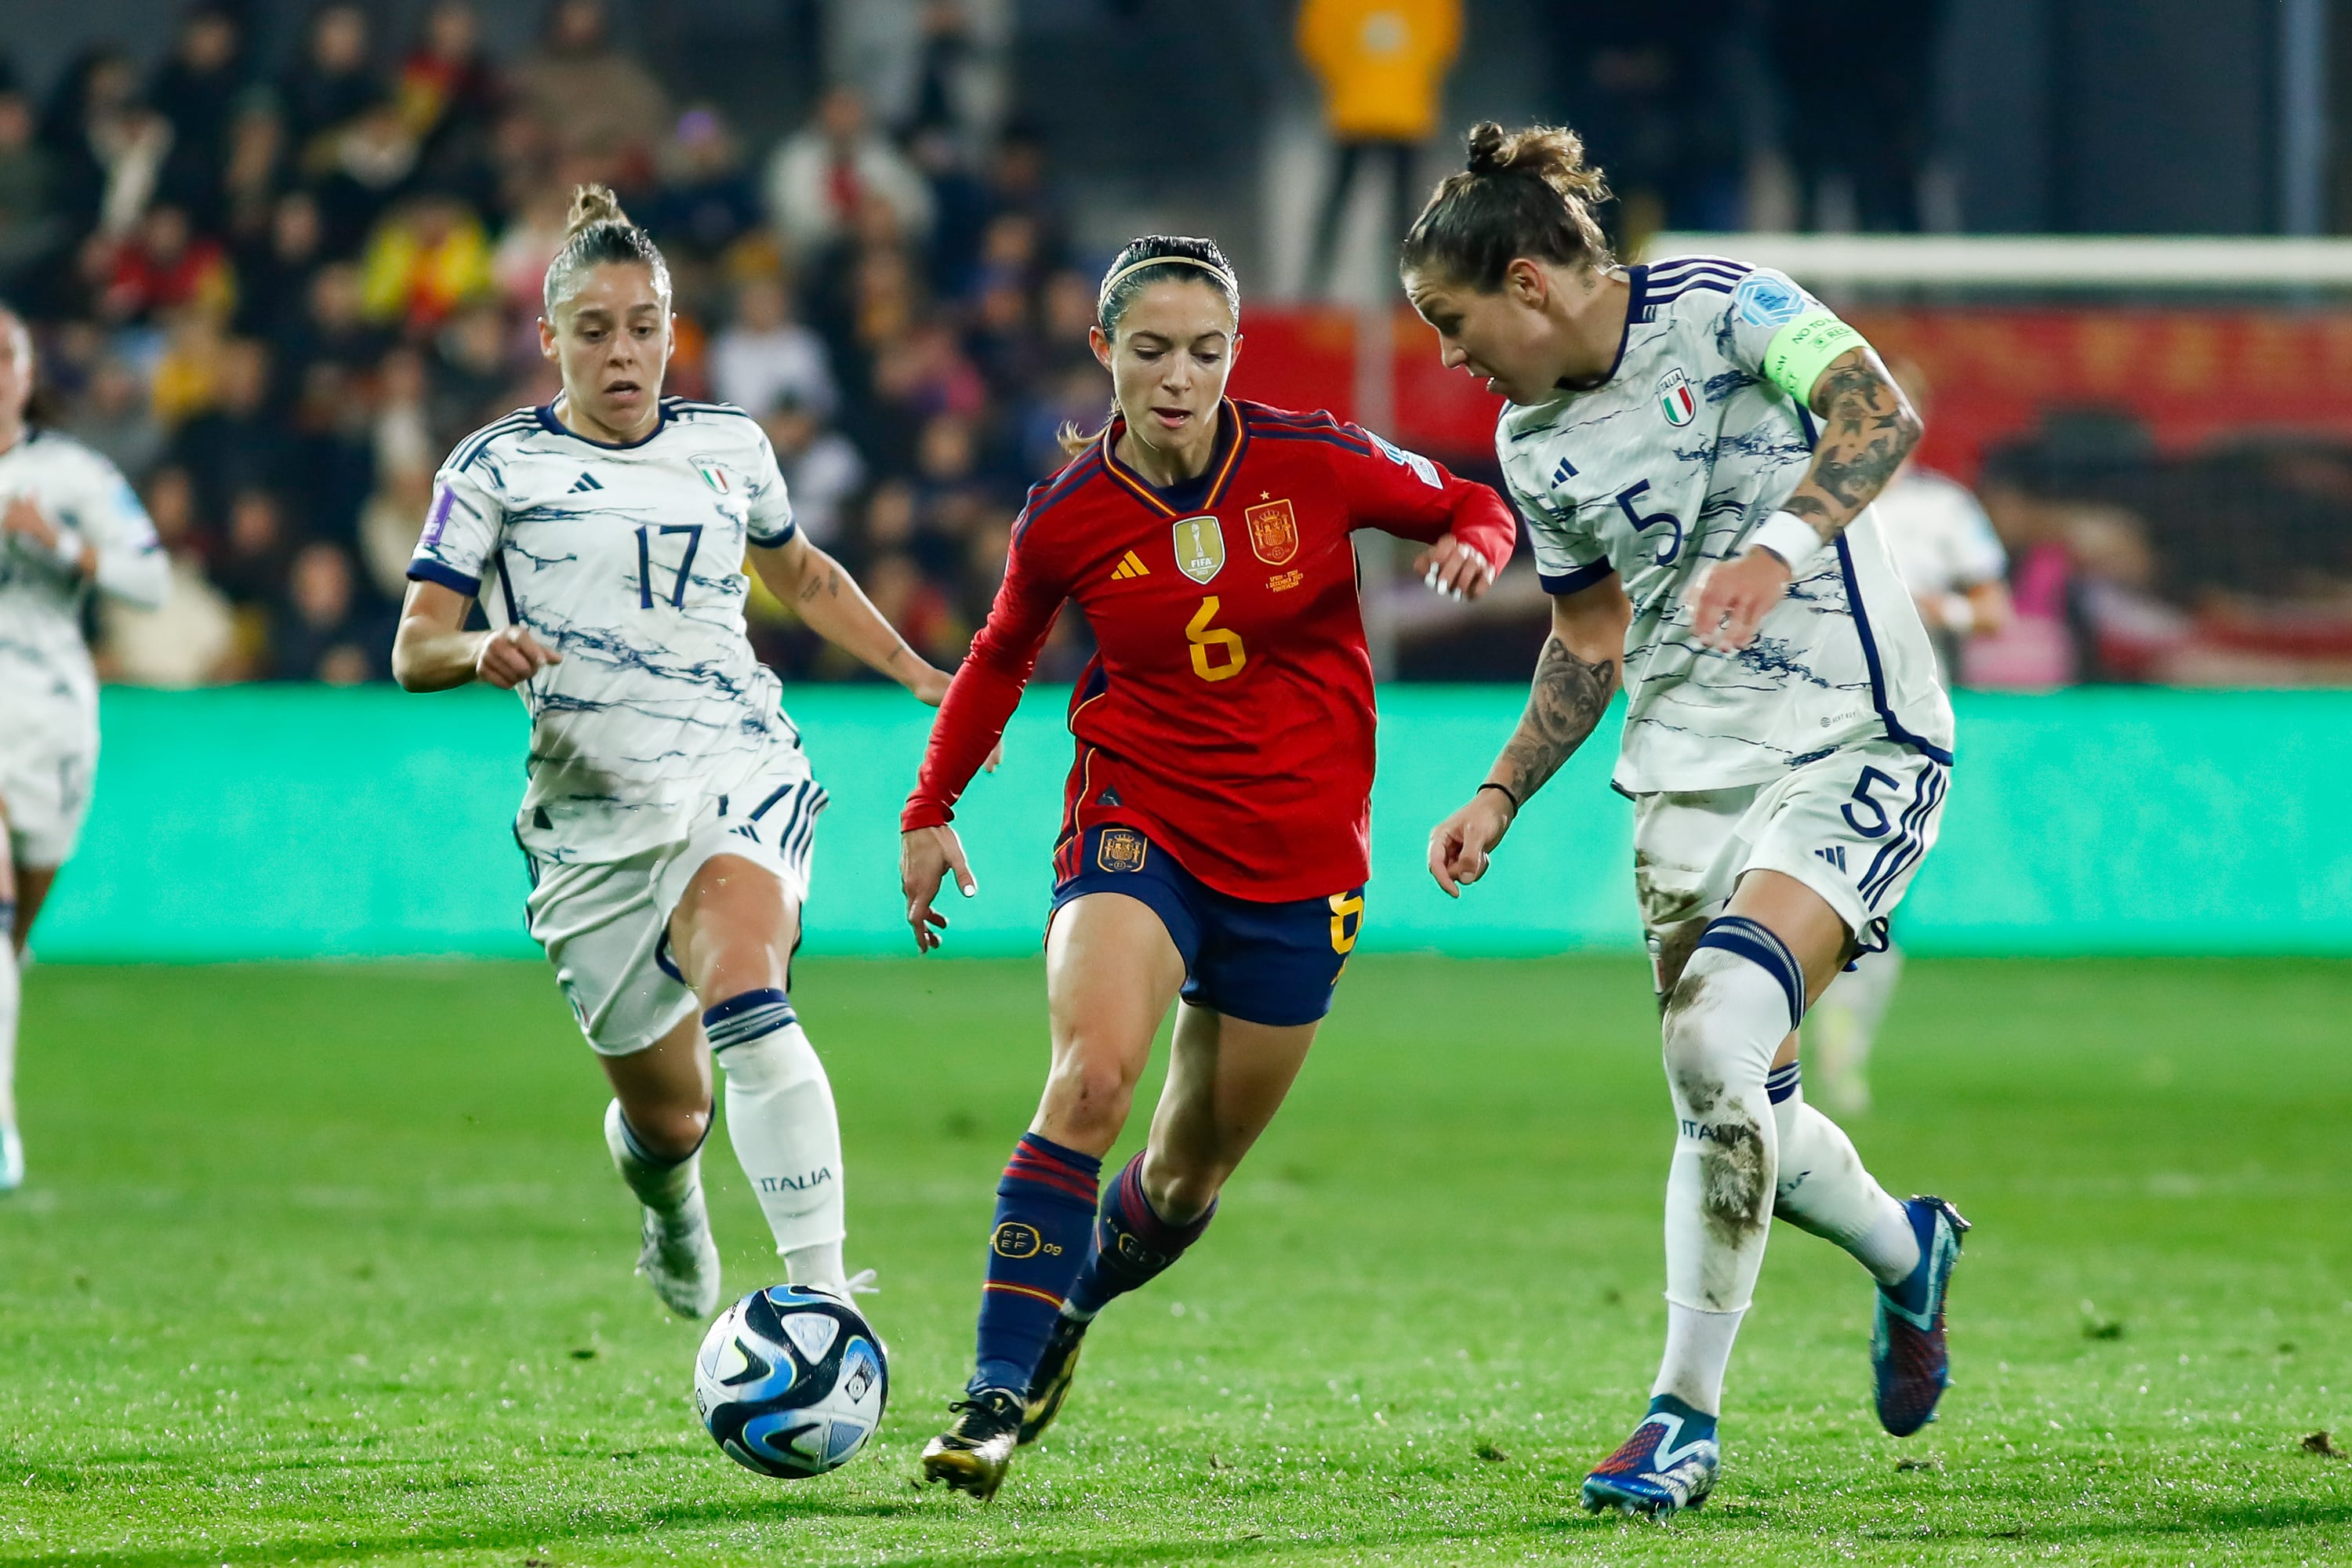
1791	538
68	549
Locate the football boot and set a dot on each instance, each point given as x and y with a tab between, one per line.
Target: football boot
973	1454
1666	1466
1057	1369
679	1260
1909	1362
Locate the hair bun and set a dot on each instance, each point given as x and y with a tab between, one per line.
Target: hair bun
591	204
1487	149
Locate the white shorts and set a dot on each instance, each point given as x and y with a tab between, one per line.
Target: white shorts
48	758
1853	826
606	927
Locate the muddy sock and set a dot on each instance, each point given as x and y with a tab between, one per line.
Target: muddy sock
1739	998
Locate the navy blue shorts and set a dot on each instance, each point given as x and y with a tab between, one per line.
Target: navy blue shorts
1263	963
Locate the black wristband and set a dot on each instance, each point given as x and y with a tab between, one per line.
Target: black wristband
1503	791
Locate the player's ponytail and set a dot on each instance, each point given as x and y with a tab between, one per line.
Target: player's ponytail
1141	262
1521	193
597	232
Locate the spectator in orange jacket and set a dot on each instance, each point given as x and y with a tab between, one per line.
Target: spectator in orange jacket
1382	64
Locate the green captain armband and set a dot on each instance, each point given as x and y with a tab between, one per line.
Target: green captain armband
1801	350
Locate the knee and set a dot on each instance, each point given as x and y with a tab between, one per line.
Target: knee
1181	1194
667	1132
1088	1093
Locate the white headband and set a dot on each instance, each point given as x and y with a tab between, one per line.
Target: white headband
1211	267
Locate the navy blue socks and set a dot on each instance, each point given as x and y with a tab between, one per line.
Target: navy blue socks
1133	1246
1044	1210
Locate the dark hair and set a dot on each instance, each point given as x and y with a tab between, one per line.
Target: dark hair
598	232
1179	258
1524	192
1187	258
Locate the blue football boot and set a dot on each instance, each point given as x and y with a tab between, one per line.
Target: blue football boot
1666	1466
1908	1358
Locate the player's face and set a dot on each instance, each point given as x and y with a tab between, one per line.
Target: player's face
15	366
611	338
1169	363
1507	336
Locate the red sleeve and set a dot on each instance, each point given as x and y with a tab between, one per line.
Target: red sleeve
987	686
1405	494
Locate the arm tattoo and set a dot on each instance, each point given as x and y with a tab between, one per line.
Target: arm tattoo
829	583
1867	429
1564	703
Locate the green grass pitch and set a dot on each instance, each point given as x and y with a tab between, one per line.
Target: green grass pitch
326	1266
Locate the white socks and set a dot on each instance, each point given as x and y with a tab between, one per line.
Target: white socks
1698	1349
1738	996
1748	1148
666	1186
1823	1187
780	1117
1737	999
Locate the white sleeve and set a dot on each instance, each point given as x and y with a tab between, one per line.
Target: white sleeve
132	566
461	532
1569	559
771	521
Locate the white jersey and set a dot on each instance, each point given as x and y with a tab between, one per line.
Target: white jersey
628	561
1669	466
44	660
1941	539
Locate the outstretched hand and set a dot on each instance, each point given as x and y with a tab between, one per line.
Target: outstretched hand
926	857
1459	846
1731	598
1454	569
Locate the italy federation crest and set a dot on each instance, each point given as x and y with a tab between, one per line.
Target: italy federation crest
1274	531
1676	399
1120	850
713	474
1200	548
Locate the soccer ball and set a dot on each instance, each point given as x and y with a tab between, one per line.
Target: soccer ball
791	1381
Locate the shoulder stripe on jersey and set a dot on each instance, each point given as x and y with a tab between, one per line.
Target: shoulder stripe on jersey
1308	426
1054	491
1328	438
1675	264
1674	291
687	406
473	446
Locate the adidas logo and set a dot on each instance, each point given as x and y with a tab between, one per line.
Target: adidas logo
1563	474
587	482
1834	855
1130	565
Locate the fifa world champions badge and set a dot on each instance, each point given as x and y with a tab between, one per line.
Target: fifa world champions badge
1200	548
1273	532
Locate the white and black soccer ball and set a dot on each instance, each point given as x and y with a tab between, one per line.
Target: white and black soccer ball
791	1381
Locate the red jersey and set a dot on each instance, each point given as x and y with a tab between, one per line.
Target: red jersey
1228	715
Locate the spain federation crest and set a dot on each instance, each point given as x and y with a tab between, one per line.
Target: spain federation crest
1274	531
1200	548
1676	399
1120	850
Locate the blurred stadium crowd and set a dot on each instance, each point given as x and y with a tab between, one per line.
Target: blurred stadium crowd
275	299
276	291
